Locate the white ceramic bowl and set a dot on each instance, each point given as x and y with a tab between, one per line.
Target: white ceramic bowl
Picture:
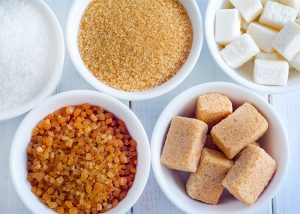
243	75
58	62
18	154
73	23
173	182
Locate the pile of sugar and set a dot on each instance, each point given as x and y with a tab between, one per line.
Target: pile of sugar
26	50
135	45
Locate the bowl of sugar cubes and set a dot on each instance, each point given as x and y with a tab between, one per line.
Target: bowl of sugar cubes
219	148
256	42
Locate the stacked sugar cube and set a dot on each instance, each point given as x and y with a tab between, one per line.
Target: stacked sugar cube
219	148
266	31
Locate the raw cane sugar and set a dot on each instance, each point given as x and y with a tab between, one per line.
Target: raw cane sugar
212	108
250	174
135	45
206	183
184	143
244	126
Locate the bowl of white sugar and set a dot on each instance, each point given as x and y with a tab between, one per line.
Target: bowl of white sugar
31	55
256	42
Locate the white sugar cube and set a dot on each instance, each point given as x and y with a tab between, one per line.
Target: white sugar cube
270	56
277	15
295	63
263	36
228	25
287	41
265	1
271	72
239	51
244	25
291	3
249	9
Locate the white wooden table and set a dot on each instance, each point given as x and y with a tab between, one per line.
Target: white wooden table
287	200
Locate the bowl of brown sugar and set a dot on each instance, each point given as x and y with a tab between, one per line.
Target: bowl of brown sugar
134	49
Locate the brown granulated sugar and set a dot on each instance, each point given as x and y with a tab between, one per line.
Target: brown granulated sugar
135	45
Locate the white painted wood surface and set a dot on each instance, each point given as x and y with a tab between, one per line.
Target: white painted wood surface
153	200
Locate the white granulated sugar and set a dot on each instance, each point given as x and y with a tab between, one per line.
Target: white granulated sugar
26	52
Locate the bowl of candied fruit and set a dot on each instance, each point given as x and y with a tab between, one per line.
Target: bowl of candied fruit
80	152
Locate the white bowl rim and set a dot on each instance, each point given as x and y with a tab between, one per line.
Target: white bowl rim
55	76
142	95
154	143
143	177
232	73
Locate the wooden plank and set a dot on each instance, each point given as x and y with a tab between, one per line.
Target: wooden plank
153	200
287	199
71	80
9	201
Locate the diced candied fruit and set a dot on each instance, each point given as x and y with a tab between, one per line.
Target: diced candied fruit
81	159
69	204
70	109
52	205
73	210
60	210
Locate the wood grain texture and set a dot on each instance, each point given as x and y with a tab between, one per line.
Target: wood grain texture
9	201
71	80
153	200
288	108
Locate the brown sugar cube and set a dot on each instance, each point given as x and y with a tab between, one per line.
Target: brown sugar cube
206	183
239	154
244	126
250	174
184	144
212	108
210	144
255	144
